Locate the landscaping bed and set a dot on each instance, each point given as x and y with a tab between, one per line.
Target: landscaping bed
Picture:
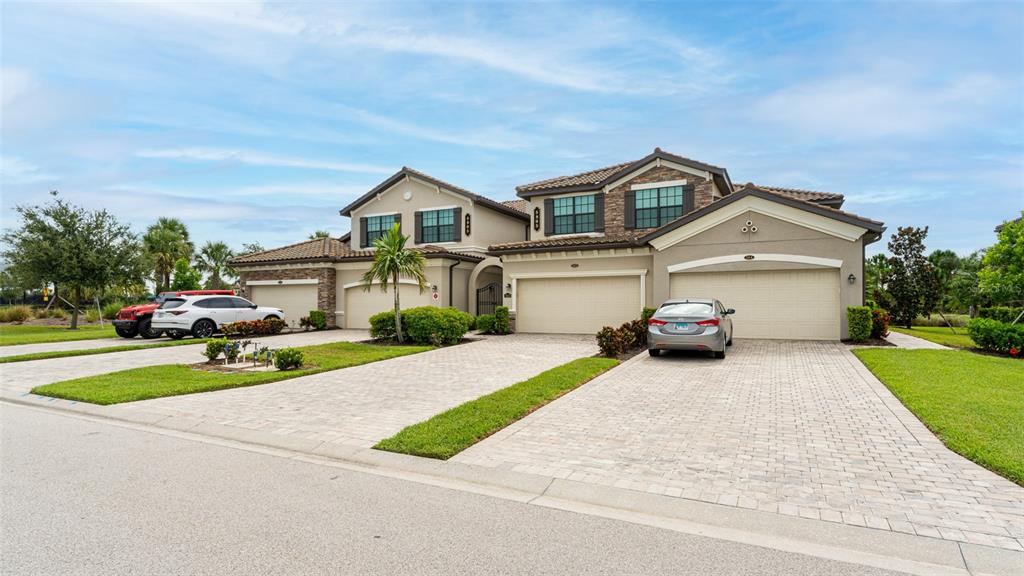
90	351
176	379
452	431
973	402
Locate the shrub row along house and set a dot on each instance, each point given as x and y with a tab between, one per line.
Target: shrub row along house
576	253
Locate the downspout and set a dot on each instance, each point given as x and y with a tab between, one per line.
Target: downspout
451	289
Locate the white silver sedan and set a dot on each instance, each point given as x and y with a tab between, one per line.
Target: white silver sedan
202	316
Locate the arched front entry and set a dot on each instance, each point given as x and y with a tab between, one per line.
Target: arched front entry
485	286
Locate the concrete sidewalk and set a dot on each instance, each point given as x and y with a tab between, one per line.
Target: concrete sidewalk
901	340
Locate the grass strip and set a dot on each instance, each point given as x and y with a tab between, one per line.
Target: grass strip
452	431
974	403
12	335
940	335
88	351
176	379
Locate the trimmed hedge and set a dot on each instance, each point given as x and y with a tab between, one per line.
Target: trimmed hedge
997	336
426	325
253	327
632	334
880	320
502	323
860	322
485	323
1000	313
288	359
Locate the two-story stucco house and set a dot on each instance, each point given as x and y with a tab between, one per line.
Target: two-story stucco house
579	252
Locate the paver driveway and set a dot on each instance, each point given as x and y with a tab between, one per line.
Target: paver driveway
361	405
797	428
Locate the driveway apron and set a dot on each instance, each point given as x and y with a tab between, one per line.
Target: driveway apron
795	428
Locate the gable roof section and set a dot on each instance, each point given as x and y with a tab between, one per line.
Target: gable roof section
755	191
826	198
409	172
520	205
334	250
597	179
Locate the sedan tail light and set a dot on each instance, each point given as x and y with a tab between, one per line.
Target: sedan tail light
180	312
711	322
655	322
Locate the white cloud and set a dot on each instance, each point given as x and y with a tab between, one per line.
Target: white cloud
17	171
895	195
258	159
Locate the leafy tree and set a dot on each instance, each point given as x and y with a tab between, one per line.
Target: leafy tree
165	242
875	270
213	260
391	261
71	247
911	277
964	292
319	234
1002	272
185	276
945	264
251	248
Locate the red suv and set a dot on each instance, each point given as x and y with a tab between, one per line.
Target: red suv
135	320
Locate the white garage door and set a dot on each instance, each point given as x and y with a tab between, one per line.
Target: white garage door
576	305
295	299
360	304
781	304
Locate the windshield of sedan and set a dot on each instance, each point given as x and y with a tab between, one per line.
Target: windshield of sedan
686	309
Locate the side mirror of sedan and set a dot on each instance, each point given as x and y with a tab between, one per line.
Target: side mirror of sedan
253	306
730	311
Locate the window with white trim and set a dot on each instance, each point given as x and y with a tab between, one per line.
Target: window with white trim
658	206
438	226
574	215
377	226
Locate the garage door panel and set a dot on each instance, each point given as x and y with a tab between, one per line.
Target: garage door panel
361	304
784	304
295	299
576	305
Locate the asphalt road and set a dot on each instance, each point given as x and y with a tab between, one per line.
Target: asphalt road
87	497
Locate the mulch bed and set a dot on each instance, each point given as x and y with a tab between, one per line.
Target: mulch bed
877	342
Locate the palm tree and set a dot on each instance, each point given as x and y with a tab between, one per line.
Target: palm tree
319	234
213	260
164	243
391	261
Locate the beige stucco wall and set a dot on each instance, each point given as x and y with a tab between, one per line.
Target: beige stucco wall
486	226
349	272
774	236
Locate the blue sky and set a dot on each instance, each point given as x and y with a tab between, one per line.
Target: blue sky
258	121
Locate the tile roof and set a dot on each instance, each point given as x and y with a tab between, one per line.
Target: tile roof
333	250
818	205
589	177
627	239
520	205
800	194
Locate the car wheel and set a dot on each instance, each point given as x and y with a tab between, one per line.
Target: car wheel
126	332
653	352
147	331
729	342
203	328
176	334
720	355
272	317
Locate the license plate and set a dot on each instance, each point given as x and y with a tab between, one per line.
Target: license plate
682	325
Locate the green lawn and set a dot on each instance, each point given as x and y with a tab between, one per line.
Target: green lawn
451	432
88	351
176	379
940	335
13	334
974	403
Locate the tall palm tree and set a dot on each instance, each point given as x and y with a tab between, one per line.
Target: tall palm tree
319	234
391	261
164	243
213	260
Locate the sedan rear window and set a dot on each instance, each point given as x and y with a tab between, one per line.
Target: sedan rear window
686	309
172	303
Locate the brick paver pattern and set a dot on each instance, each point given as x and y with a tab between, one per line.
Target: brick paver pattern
795	428
361	405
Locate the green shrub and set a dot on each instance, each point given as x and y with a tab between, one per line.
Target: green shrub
646	314
502	323
997	336
609	340
425	325
485	323
267	327
1001	313
214	348
880	320
860	323
110	310
288	358
635	333
15	314
382	325
42	312
92	315
318	319
56	312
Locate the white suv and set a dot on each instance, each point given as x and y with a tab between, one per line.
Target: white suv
203	315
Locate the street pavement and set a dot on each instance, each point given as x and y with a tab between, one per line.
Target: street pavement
83	496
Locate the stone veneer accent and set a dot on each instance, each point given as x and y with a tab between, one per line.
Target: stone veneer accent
326	289
614	200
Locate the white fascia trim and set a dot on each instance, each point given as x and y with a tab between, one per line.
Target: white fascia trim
642	273
376	283
657	162
797	258
768	208
652	185
281	282
395	213
433	208
576	235
573	194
